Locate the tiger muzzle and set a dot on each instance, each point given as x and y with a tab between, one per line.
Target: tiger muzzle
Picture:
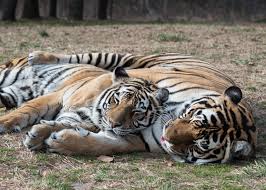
180	131
121	116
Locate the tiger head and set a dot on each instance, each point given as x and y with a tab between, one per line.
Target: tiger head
212	129
130	104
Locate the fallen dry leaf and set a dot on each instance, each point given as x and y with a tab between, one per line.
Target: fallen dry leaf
170	164
45	173
105	158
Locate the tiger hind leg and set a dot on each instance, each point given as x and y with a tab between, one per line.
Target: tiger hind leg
101	60
42	57
80	141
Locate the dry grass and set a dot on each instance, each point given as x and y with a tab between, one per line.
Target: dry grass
238	50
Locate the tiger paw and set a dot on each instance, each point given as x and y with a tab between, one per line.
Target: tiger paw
41	57
34	139
7	126
70	141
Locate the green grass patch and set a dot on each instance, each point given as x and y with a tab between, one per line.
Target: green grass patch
179	37
1	58
43	34
6	155
257	169
42	157
60	180
167	186
7	159
250	61
27	45
102	174
157	51
262	105
211	170
52	181
240	61
252	88
33	170
6	150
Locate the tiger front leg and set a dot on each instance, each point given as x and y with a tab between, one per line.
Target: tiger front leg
81	141
34	139
44	107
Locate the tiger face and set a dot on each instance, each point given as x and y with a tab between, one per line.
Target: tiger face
212	129
131	104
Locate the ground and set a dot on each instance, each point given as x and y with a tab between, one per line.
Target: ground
236	49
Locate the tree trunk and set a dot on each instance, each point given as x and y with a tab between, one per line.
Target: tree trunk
47	8
26	9
7	9
69	9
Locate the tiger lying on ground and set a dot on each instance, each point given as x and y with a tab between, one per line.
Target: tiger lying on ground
203	118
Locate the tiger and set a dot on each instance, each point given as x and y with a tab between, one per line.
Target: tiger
205	118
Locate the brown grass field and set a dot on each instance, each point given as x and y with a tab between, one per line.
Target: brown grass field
236	49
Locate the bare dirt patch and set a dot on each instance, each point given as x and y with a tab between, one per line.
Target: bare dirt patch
238	50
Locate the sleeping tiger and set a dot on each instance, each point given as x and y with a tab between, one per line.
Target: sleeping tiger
201	116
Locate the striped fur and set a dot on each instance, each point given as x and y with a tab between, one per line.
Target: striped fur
20	82
209	125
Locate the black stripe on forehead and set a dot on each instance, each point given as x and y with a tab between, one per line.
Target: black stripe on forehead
245	126
107	95
223	120
131	85
227	115
213	119
206	98
201	104
186	89
136	87
142	82
235	124
127	90
137	82
142	96
205	103
152	102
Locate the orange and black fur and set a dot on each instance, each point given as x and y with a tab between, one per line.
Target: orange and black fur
198	113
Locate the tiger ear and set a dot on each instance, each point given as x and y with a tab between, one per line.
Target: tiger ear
119	74
162	95
234	94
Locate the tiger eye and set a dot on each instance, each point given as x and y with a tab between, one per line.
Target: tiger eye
128	96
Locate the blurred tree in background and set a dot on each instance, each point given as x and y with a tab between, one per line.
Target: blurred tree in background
135	10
